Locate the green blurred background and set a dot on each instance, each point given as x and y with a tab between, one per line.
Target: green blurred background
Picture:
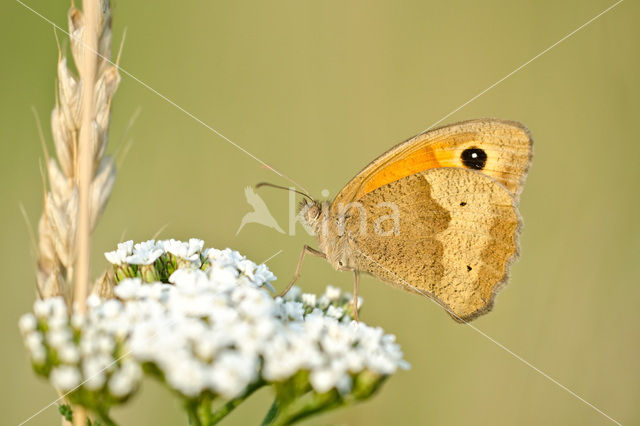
319	89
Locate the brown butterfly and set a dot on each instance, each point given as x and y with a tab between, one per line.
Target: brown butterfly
435	215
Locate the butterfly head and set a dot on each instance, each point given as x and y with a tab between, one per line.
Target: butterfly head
311	213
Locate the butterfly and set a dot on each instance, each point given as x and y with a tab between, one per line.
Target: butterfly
436	215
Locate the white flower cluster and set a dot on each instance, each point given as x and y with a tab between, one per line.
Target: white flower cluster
322	338
147	252
213	329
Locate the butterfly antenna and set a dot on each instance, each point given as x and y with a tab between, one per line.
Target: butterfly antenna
285	188
282	175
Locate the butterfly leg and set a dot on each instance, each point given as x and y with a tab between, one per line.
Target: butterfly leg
356	281
306	249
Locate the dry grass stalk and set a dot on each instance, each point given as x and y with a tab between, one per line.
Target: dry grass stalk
87	69
59	224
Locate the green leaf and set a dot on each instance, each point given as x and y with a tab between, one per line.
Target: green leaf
65	411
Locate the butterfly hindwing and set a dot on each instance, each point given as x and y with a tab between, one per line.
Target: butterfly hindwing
452	238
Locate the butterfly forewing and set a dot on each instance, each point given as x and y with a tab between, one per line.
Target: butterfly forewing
498	148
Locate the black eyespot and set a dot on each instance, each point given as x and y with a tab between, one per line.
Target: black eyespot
469	268
474	158
464	203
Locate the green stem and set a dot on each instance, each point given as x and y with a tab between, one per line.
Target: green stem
203	410
271	414
103	415
302	407
192	413
230	405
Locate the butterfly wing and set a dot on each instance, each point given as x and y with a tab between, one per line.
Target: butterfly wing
497	148
451	236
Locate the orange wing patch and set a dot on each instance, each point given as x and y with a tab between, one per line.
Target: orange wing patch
437	154
496	148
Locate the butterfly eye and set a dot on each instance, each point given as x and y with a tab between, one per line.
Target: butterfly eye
474	158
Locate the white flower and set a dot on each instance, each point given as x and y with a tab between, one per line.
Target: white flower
119	256
128	288
206	348
251	302
187	376
88	346
58	322
293	293
58	307
41	308
92	301
145	253
232	373
226	257
69	354
195	245
58	337
335	312
65	377
111	308
189	278
323	302
332	293
93	369
291	310
188	251
324	379
344	384
125	379
153	291
223	275
353	361
263	276
39	355
247	267
288	352
77	319
34	341
27	323
309	299
105	344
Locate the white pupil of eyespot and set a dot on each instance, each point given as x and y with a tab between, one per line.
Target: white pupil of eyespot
474	155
